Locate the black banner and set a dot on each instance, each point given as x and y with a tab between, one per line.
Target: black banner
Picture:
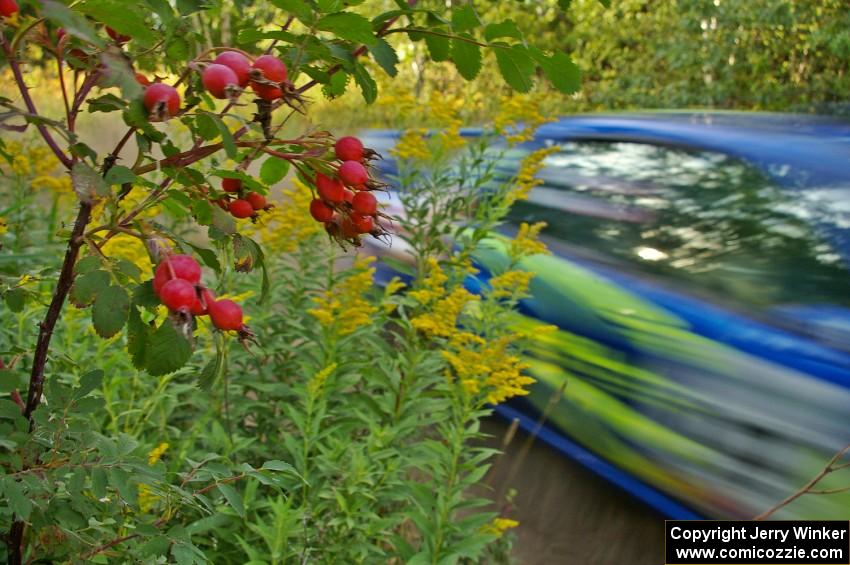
802	542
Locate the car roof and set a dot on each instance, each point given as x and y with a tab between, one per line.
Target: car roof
801	150
797	150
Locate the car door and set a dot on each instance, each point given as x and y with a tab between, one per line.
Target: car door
668	271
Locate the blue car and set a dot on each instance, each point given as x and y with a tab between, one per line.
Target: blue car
699	281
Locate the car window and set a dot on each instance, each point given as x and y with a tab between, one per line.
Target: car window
701	218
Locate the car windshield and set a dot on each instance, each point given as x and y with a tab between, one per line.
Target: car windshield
702	218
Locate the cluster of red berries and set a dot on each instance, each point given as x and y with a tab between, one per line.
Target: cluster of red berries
345	202
177	283
225	78
239	202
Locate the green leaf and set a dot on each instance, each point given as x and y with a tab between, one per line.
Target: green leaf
273	170
124	17
506	28
516	66
88	286
15	299
297	8
87	183
167	350
10	380
278	465
367	84
233	498
348	25
89	382
138	333
118	72
205	126
223	221
385	56
466	57
564	4
561	71
464	18
73	23
226	137
109	314
336	86
98	482
106	103
438	47
17	500
130	270
119	175
87	264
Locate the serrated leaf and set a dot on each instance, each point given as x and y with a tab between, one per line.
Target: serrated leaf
336	86
273	170
367	84
561	71
234	499
223	221
506	28
87	183
466	57
464	18
87	264
138	333
212	371
17	500
130	270
109	314
348	25
385	56
516	66
87	287
119	175
166	351
9	380
439	47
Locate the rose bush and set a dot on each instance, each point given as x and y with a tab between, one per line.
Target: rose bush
155	418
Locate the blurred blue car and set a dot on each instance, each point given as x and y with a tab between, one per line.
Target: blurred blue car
699	281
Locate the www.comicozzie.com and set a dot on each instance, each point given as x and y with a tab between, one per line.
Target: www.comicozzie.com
757	543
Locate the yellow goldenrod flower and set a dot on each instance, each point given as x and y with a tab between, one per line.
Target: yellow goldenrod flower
519	117
125	246
411	145
526	176
157	452
344	306
3	226
510	284
317	383
526	242
21	165
433	284
499	526
441	320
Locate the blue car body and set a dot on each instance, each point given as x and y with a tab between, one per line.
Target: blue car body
698	281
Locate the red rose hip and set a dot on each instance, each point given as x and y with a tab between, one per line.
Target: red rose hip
117	37
353	173
363	224
183	266
320	211
257	200
330	189
231	185
365	203
241	209
225	315
349	148
238	63
271	69
220	81
178	294
162	101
